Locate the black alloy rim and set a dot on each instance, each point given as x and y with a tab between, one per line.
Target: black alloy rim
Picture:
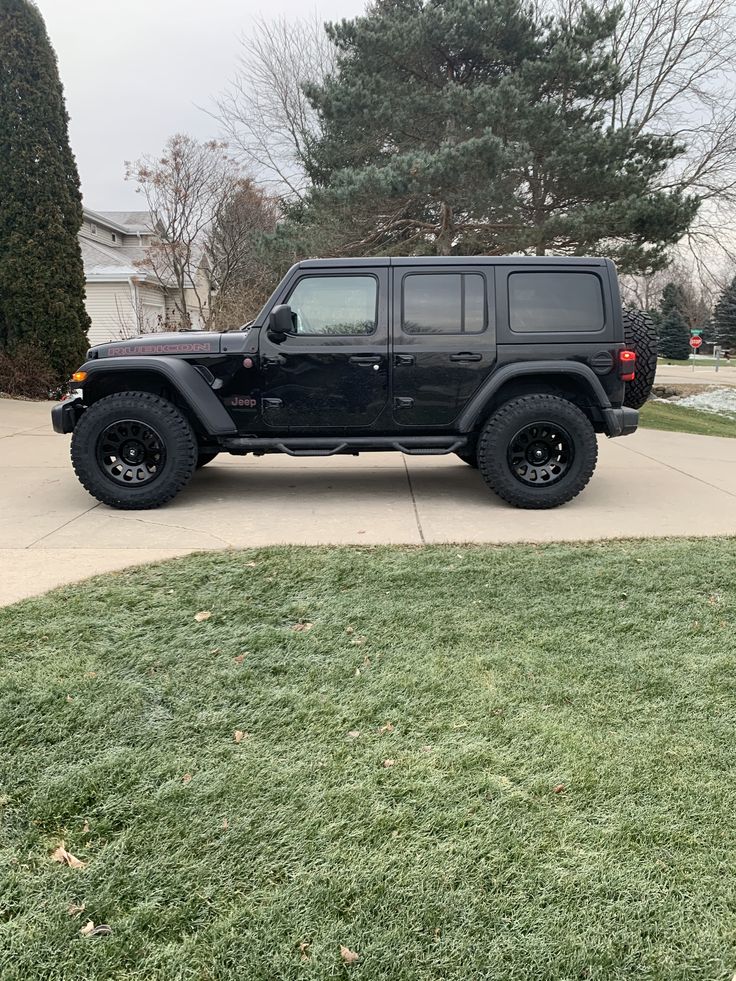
131	453
540	454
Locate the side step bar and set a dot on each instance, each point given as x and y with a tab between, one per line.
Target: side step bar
331	445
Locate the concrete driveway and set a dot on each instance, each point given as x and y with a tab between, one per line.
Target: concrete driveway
647	485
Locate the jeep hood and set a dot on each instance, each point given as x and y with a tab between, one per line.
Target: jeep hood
185	342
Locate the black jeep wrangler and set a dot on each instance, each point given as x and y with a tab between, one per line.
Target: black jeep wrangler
513	364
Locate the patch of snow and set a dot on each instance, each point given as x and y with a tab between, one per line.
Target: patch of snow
721	401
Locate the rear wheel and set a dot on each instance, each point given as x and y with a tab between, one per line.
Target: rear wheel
640	336
537	451
133	450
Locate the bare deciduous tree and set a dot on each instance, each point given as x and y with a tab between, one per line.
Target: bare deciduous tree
185	189
241	277
264	113
677	58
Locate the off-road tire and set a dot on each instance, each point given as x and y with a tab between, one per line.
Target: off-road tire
640	336
204	458
470	458
168	422
501	430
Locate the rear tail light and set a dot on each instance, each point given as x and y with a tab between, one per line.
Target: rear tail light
627	365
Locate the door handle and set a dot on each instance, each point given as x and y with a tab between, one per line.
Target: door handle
403	360
365	361
466	356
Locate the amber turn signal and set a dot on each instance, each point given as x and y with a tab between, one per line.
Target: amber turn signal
79	376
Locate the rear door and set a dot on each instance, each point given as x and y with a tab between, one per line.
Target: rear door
333	373
443	338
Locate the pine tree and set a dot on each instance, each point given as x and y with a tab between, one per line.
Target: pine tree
466	126
41	272
674	333
723	324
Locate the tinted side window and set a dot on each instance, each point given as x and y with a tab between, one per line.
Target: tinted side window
335	305
443	303
555	301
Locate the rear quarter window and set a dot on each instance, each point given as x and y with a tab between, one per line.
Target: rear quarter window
545	302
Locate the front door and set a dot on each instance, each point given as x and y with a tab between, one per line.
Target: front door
444	341
333	372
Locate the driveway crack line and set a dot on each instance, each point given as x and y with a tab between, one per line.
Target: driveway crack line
413	501
165	524
683	473
64	525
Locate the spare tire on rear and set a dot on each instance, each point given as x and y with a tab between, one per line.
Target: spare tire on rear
640	336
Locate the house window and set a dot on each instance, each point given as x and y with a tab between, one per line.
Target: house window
93	228
114	236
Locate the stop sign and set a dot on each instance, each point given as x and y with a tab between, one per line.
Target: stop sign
695	341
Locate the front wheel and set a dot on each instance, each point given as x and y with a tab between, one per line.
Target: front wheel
537	451
133	450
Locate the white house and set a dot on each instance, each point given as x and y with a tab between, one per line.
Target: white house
124	296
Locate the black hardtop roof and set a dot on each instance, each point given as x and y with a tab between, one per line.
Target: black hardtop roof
453	260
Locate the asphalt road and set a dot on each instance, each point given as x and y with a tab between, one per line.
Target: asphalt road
650	484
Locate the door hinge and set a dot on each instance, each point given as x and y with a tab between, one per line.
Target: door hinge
403	403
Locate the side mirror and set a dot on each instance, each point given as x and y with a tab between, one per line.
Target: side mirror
280	323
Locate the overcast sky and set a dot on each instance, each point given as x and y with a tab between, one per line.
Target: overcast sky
135	71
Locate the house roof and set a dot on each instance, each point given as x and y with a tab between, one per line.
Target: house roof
131	221
106	262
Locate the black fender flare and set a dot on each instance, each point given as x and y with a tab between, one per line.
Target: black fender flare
473	411
181	376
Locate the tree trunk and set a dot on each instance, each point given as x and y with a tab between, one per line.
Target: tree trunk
446	234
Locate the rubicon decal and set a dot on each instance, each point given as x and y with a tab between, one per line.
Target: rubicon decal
192	347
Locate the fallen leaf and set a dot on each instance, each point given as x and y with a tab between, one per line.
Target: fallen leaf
302	627
203	615
387	728
239	659
388	763
91	674
426	749
225	825
186	778
215	650
304	949
66	858
239	735
714	600
560	788
360	639
349	630
251	565
75	910
357	672
85	829
69	699
348	956
90	930
354	733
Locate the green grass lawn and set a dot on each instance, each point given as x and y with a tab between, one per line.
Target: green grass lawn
682	419
467	763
